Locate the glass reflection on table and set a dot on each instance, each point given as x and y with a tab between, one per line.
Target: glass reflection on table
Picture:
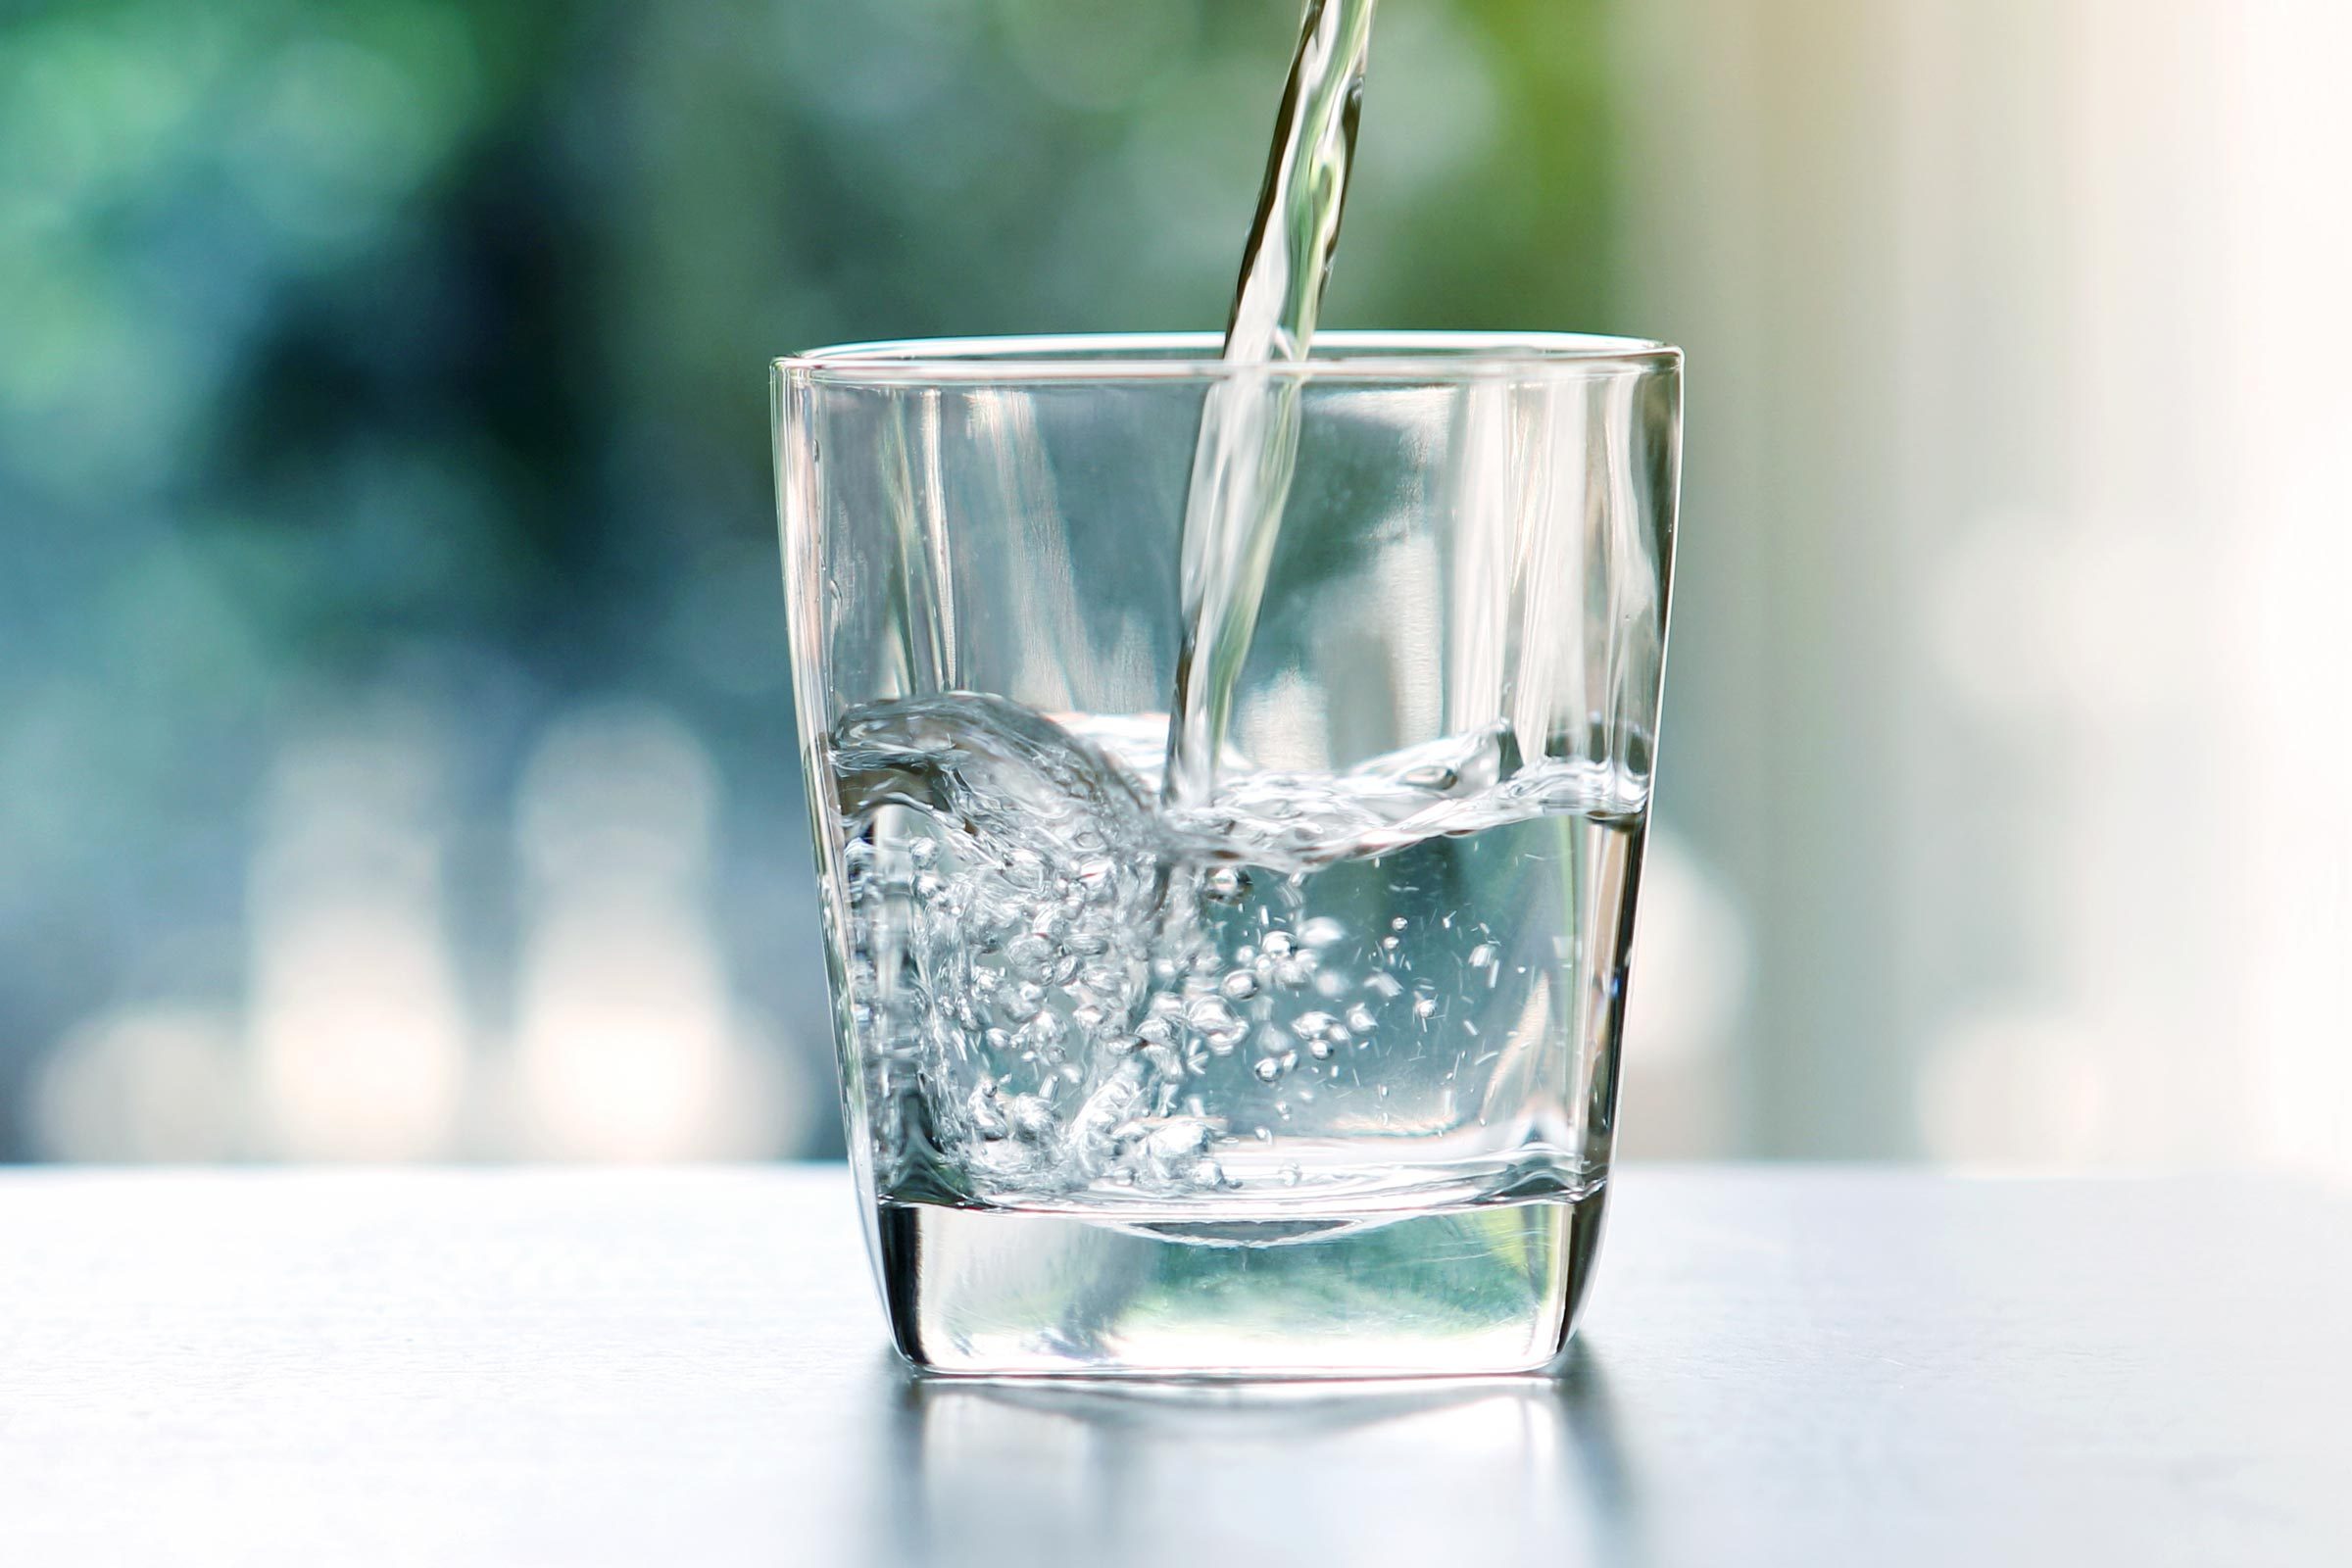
1137	1473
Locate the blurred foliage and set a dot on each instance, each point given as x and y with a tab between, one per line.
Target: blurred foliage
409	356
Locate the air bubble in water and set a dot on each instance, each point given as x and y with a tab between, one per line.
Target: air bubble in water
987	1111
1210	1013
1031	1116
1062	942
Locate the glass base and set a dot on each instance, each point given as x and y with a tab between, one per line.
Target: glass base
1478	1289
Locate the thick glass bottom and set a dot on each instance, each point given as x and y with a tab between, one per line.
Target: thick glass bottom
1478	1289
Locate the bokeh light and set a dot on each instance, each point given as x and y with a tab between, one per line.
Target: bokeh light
396	756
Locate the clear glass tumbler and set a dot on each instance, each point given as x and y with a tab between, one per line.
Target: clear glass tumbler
1306	1063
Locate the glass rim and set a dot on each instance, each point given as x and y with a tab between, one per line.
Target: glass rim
1365	356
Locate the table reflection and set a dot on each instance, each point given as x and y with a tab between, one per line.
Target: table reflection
1357	1473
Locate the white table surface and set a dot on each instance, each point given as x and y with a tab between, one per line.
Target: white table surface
1819	1366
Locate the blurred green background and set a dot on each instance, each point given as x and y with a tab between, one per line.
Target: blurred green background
384	461
394	750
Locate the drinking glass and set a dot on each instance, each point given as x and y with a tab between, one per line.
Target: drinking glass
1304	1065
